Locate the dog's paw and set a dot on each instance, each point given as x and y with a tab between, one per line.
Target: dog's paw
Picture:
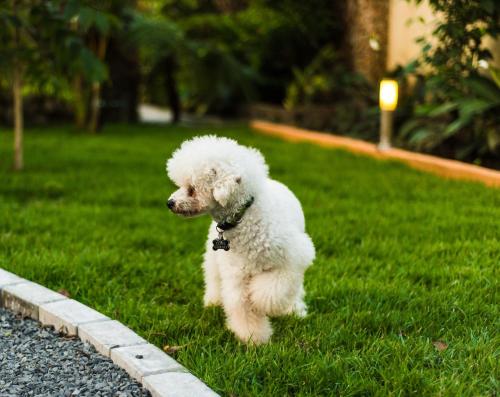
212	300
259	338
255	335
299	309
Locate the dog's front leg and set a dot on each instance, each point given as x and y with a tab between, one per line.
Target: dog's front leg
247	323
212	296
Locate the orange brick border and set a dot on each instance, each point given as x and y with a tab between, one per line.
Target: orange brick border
436	165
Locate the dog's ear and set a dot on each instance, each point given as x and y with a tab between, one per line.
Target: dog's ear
224	189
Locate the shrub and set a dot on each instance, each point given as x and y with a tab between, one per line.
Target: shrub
457	110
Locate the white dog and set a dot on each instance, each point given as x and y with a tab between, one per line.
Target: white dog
257	248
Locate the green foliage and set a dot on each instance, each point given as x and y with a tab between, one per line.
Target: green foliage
326	83
229	52
471	118
404	259
222	54
460	109
86	20
460	38
157	37
209	74
90	66
325	80
51	50
25	47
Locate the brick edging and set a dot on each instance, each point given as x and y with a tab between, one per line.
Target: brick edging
157	371
444	167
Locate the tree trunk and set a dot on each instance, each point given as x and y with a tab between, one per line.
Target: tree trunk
95	102
18	119
95	105
17	86
80	102
367	36
80	98
171	88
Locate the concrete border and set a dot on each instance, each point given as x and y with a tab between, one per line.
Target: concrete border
446	168
157	371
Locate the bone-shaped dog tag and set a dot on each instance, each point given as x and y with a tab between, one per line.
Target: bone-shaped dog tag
220	243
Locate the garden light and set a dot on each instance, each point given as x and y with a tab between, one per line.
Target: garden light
388	95
388	101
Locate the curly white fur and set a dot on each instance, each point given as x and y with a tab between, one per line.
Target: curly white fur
262	274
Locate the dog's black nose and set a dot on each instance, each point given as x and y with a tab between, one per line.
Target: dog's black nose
170	203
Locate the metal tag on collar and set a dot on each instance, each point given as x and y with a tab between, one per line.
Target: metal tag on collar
220	243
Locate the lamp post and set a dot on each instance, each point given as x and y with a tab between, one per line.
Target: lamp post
388	100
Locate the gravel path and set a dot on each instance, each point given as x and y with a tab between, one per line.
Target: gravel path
36	361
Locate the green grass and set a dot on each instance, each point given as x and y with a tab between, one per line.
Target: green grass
404	259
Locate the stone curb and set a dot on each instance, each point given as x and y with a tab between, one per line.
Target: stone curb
440	166
157	371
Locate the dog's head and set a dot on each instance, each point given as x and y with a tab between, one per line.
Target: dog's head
213	174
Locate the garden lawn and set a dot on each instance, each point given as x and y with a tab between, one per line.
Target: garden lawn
403	296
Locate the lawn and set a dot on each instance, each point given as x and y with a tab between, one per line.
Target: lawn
403	296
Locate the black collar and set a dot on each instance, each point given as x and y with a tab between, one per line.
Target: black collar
231	223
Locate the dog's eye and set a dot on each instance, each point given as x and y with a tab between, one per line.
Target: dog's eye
190	191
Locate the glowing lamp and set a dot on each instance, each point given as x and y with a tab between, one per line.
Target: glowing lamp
388	100
388	95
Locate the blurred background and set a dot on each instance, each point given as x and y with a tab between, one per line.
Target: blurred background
316	64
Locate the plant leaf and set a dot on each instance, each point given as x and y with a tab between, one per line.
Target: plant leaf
444	108
92	68
420	135
101	23
409	126
483	88
424	109
455	126
468	107
495	74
